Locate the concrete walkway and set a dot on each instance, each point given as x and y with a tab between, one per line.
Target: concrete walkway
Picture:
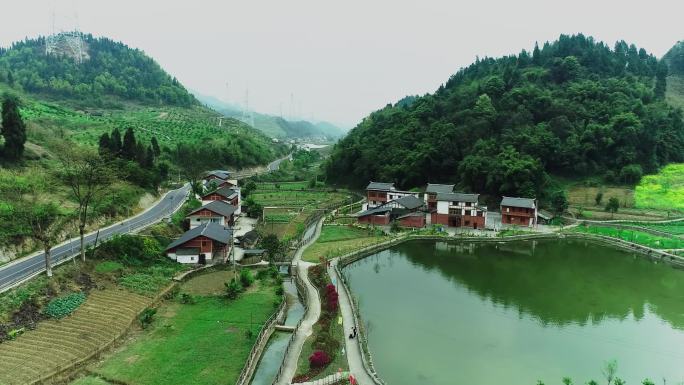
352	347
310	317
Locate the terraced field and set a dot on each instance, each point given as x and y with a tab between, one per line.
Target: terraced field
57	344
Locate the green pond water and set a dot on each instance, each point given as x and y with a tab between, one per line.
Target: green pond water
518	312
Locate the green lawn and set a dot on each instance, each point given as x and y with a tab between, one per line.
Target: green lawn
203	343
90	380
664	190
338	240
639	237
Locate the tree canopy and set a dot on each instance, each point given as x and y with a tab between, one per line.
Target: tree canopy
500	126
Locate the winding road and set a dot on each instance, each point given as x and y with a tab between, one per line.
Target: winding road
23	269
26	268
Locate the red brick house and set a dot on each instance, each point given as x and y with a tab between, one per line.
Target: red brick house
431	192
459	210
408	210
215	211
519	211
207	242
378	193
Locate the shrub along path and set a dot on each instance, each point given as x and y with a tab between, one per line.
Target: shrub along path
57	344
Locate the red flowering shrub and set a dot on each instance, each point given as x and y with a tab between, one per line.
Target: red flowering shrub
319	359
331	297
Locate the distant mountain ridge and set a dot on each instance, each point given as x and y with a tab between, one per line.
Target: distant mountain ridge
275	126
110	72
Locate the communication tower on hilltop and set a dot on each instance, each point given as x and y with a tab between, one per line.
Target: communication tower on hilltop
65	38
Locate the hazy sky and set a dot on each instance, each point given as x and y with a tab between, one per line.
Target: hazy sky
339	60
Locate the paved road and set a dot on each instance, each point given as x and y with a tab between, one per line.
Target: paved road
28	267
276	163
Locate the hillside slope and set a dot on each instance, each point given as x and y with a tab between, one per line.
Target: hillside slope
500	126
166	136
277	127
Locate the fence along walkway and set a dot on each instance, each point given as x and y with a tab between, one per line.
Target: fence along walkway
313	310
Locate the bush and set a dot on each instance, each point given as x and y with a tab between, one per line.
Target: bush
319	359
187	299
249	334
246	278
279	290
63	306
233	289
131	249
108	267
631	174
146	317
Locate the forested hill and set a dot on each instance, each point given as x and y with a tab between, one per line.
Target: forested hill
109	71
501	126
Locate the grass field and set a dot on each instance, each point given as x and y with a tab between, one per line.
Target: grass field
675	228
664	190
338	240
581	195
639	237
202	343
312	199
55	344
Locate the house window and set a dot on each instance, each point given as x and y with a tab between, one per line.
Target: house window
508	209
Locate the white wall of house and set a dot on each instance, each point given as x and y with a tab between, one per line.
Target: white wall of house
197	220
239	205
188	258
443	207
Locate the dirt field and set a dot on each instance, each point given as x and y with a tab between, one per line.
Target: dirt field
58	343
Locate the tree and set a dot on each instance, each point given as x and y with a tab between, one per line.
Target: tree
613	206
88	176
149	157
598	198
661	80
155	146
105	145
559	202
129	147
46	221
248	189
609	369
567	381
631	174
190	161
13	128
273	246
115	142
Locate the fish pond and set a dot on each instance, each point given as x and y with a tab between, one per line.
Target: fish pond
519	312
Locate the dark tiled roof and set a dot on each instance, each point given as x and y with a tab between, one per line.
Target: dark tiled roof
379	186
250	236
254	251
210	230
218	207
224	191
410	202
374	211
414	214
458	197
223	174
518	202
439	188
